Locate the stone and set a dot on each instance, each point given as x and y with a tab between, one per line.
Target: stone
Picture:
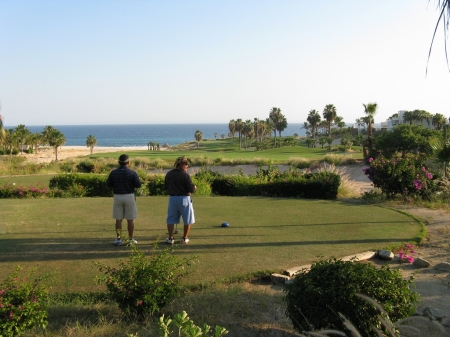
421	327
385	254
279	279
421	263
433	313
444	266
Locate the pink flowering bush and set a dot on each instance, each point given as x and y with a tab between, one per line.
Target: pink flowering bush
405	252
9	190
408	177
144	284
23	304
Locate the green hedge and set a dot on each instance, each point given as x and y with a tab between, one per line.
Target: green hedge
91	184
323	185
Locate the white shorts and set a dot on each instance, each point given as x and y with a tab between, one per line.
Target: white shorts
124	207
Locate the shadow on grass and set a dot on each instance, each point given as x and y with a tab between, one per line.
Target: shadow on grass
17	250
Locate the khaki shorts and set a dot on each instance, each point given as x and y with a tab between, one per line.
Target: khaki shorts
124	207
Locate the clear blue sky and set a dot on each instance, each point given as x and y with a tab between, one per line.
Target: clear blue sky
210	61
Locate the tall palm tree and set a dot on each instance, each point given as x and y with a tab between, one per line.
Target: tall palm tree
2	131
438	120
198	137
91	141
314	119
232	128
329	114
238	127
56	139
275	116
370	110
443	8
21	135
408	116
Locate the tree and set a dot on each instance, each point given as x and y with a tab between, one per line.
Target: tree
2	132
405	139
21	134
438	120
198	137
232	128
444	17
91	141
441	149
238	127
278	121
314	119
53	138
329	114
370	110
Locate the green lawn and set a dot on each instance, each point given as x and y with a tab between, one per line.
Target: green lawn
28	180
224	149
67	235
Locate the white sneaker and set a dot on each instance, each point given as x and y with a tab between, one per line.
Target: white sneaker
170	241
118	242
185	241
131	242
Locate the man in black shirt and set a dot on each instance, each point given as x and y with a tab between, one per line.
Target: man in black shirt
179	186
123	181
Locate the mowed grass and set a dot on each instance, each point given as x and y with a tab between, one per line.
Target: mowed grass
224	149
265	234
28	180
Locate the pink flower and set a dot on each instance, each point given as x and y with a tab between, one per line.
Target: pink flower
370	160
428	175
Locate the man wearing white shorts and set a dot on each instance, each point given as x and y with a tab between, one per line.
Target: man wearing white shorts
179	186
123	181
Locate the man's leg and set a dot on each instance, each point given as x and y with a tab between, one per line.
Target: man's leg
118	228
187	229
170	228
130	228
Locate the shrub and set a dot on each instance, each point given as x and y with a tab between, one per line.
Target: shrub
21	192
75	184
144	284
407	176
186	327
23	304
316	298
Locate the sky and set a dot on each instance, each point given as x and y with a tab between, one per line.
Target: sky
209	61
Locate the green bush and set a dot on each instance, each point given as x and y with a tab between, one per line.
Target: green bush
89	185
186	327
23	304
85	166
145	284
316	297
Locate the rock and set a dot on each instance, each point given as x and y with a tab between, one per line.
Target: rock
421	263
385	254
433	313
421	327
278	278
445	266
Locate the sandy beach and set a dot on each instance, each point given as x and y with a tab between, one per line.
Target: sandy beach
64	152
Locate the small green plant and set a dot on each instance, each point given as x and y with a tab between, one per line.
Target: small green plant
317	297
187	328
145	284
23	303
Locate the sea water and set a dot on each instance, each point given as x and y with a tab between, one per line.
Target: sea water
130	135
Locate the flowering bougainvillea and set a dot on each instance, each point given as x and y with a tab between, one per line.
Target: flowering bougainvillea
406	176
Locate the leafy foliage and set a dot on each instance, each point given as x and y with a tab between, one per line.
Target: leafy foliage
317	297
186	327
23	304
90	185
408	176
145	284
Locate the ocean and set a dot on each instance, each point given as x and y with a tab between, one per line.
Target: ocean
130	135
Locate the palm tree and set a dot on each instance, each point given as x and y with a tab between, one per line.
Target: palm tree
438	120
408	116
443	7
2	131
21	135
281	125
329	114
198	137
232	128
55	139
370	110
314	119
91	141
441	149
275	116
239	125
